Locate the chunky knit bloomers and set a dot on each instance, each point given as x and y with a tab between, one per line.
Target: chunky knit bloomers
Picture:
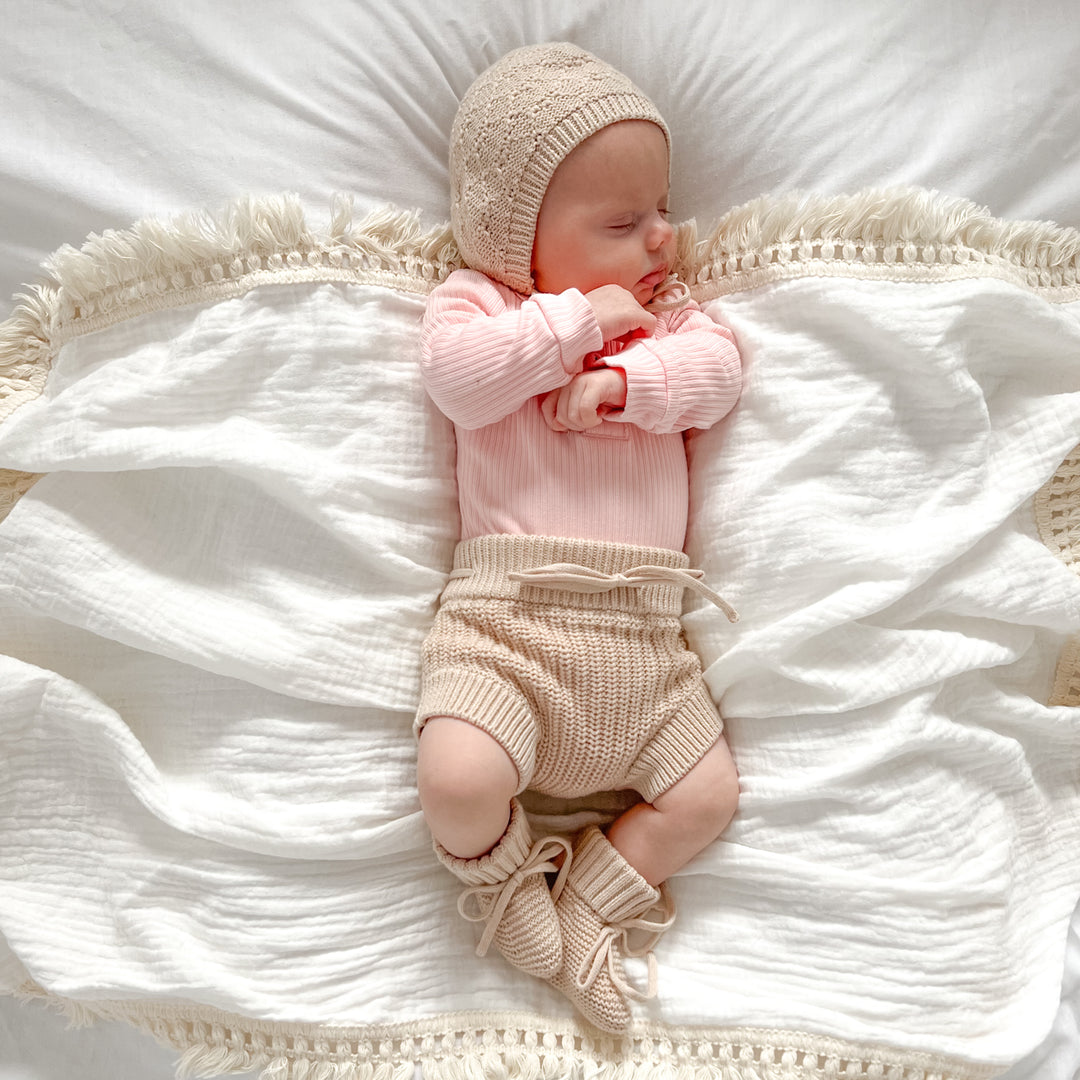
571	655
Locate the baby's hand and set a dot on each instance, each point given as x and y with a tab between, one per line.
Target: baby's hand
585	400
618	313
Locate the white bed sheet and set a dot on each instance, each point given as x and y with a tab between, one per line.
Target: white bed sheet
113	111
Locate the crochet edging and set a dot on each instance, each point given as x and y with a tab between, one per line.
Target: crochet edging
508	1046
1057	518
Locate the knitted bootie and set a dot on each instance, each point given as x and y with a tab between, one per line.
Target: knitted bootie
511	895
605	899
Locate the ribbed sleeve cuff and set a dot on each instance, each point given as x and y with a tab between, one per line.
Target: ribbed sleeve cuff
648	394
574	325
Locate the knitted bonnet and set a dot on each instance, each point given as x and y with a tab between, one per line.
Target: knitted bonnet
516	123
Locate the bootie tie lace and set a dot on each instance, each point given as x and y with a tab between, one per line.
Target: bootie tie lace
605	900
507	890
493	901
614	940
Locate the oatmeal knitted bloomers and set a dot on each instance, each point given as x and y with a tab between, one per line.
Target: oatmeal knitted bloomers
570	654
514	126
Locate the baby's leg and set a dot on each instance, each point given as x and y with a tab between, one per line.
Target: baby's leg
466	782
614	882
658	838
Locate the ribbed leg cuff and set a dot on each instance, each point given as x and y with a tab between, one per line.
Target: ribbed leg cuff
677	747
488	705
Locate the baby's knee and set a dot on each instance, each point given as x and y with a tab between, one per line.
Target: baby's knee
709	812
461	768
706	799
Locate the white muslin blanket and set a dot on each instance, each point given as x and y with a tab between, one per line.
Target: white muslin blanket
211	609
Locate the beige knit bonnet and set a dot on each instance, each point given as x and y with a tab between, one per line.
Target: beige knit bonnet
514	126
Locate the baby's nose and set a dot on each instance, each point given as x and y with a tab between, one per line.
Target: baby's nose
661	234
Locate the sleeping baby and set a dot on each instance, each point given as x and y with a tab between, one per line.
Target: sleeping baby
571	362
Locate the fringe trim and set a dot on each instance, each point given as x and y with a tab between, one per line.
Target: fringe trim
200	256
891	234
901	234
511	1046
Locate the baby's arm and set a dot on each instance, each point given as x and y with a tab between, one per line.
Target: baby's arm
482	358
688	378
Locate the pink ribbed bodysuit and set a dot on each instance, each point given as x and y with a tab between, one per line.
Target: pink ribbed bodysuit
488	357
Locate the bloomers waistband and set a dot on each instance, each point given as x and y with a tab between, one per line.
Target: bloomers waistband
577	573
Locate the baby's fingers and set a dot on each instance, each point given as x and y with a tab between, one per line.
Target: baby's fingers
549	406
579	402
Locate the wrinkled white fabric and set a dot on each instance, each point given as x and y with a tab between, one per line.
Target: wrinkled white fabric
113	111
213	603
868	511
274	473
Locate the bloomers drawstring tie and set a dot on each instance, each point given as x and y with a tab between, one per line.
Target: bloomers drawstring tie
582	579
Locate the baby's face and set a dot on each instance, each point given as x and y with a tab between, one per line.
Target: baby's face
603	220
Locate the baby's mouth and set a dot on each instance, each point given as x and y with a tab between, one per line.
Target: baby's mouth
654	277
